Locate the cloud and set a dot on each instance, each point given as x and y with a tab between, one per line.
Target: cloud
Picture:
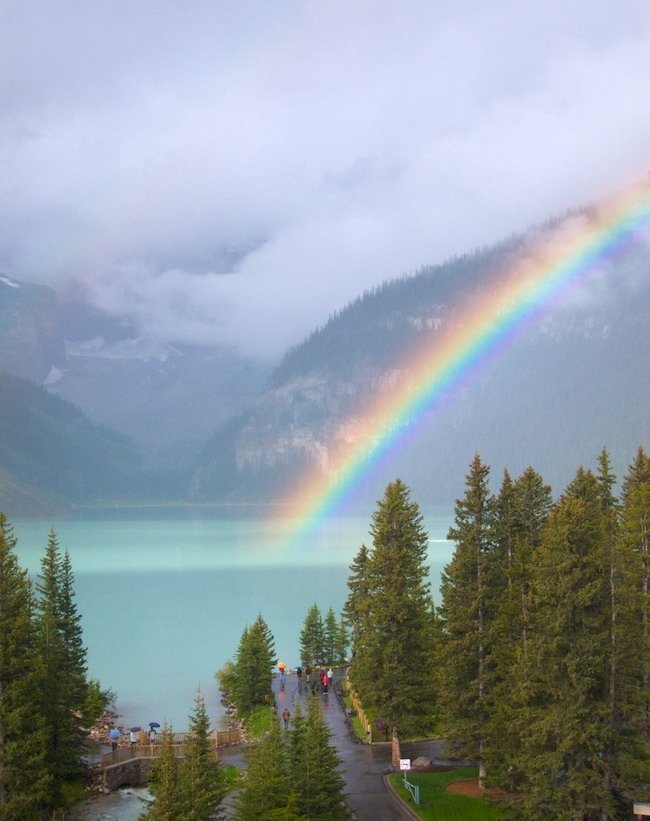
236	172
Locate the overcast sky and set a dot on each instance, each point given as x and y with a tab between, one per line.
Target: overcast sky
236	171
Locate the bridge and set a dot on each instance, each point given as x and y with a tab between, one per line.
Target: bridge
132	763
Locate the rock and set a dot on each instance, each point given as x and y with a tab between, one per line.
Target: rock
421	763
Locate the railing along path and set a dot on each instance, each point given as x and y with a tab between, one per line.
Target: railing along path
145	749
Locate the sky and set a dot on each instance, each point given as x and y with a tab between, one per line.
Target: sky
234	172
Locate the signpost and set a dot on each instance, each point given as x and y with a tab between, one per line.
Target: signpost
412	789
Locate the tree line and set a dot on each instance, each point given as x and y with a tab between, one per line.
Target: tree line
536	663
46	698
292	774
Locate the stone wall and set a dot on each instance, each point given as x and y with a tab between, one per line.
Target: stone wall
134	773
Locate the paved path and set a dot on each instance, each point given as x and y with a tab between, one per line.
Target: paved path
364	764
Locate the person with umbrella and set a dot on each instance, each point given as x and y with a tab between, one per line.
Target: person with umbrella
114	736
153	725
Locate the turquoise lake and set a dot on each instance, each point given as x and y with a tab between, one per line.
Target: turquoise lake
164	595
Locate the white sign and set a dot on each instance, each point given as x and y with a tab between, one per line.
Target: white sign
405	763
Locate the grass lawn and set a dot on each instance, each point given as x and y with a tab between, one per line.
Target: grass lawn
437	804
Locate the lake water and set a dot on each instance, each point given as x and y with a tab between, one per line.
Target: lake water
165	595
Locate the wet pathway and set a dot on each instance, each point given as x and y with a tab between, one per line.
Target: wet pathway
364	764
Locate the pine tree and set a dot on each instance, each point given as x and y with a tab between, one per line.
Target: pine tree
464	611
200	785
521	511
568	747
330	637
312	638
341	642
267	790
357	602
25	783
393	661
316	768
297	740
635	538
164	784
252	675
64	659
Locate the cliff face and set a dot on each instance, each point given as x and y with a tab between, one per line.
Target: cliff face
167	398
30	339
571	384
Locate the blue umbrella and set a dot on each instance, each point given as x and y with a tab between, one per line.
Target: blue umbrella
154	724
114	734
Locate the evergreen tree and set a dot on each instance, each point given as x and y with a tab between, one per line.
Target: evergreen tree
97	701
25	783
330	637
252	675
635	631
267	790
164	784
521	511
357	602
465	598
341	642
297	740
64	660
393	661
316	768
312	638
200	785
74	649
568	749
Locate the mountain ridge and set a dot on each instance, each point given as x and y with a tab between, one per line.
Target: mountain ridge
542	388
214	427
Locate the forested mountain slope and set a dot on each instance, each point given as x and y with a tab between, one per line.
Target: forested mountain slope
572	383
52	455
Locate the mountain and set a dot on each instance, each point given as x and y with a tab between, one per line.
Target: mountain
167	398
51	455
572	383
30	339
213	426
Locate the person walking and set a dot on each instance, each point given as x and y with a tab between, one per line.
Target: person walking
286	715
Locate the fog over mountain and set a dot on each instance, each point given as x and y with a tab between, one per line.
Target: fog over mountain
167	398
228	177
212	426
190	193
570	383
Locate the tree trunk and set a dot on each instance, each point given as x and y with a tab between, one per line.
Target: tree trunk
396	753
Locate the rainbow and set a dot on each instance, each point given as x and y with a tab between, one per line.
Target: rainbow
512	301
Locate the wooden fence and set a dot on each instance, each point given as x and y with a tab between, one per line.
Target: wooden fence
144	749
360	713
